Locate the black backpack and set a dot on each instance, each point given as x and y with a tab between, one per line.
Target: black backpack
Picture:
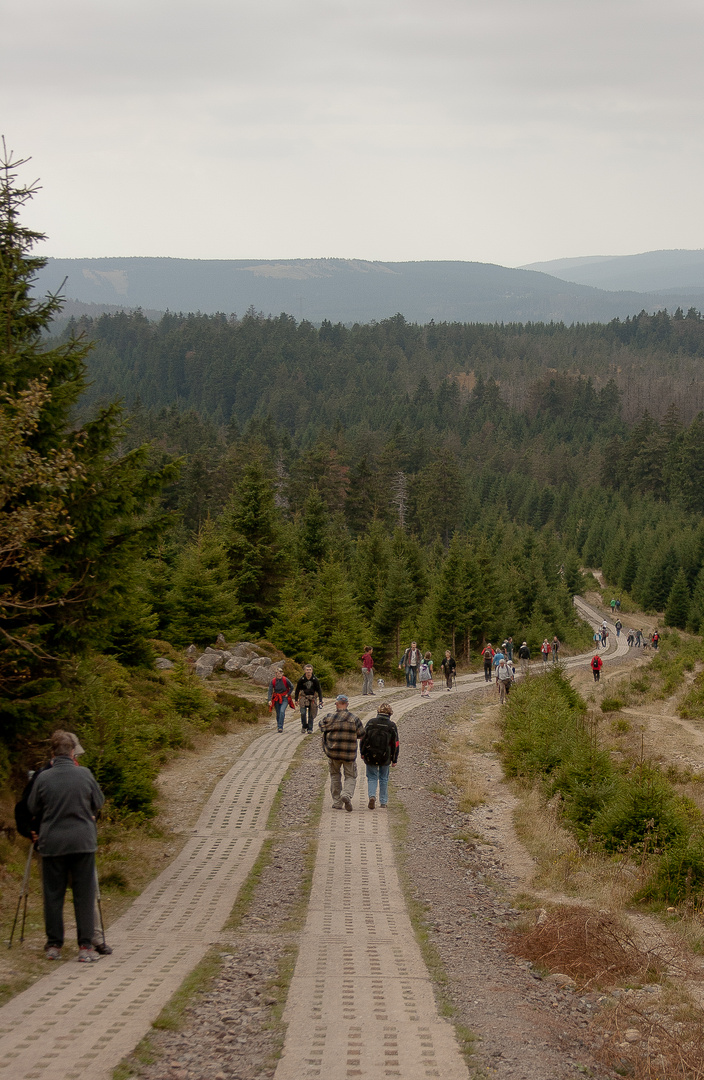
375	746
24	822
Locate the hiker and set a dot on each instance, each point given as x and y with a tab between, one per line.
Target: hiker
655	638
411	662
308	689
613	606
619	625
378	749
524	657
545	650
279	696
488	658
426	675
498	657
630	638
449	668
597	638
341	730
65	800
639	638
618	605
367	671
554	648
509	648
504	678
596	665
604	638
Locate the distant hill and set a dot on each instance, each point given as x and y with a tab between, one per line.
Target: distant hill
651	271
347	290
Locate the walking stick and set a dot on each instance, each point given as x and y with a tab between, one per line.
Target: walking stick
102	947
24	892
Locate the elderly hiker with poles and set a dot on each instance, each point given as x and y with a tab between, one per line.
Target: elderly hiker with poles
379	751
504	678
341	730
64	800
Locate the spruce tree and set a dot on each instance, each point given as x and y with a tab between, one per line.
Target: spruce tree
677	609
292	629
202	599
255	549
86	501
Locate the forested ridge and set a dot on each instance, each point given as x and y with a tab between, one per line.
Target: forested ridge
318	489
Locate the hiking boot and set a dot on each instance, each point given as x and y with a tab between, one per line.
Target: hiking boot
102	948
53	952
372	802
337	806
87	954
382	806
347	803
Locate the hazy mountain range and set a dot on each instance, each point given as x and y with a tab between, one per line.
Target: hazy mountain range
592	289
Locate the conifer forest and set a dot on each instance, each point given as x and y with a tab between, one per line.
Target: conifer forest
320	488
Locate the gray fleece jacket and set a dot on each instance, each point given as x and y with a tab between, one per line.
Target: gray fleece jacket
66	799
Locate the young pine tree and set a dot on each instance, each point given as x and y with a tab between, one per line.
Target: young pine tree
202	599
255	548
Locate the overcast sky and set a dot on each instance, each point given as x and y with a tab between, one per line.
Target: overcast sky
503	131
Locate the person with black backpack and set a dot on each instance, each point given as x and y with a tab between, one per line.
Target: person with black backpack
379	750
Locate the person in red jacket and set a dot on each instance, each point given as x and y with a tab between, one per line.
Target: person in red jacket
488	658
597	664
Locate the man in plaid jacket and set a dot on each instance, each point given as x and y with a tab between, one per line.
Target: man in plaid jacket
341	731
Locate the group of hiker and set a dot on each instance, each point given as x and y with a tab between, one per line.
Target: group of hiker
418	667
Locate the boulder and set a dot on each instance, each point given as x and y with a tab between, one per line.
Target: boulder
220	642
210	661
261	661
191	652
261	676
243	648
235	664
163	664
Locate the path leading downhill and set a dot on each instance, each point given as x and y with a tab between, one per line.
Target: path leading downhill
361	1001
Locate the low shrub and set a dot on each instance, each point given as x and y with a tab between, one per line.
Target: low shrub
612	704
642	812
679	876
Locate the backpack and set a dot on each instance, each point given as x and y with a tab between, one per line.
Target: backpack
424	672
24	822
596	662
375	746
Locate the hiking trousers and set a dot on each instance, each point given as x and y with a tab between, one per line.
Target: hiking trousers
378	774
58	871
338	769
368	680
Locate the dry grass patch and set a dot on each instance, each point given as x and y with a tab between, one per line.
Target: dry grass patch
592	947
460	756
662	1041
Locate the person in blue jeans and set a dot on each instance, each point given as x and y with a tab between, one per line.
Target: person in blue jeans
280	690
379	750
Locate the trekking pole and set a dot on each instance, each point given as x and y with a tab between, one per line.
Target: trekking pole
24	892
102	947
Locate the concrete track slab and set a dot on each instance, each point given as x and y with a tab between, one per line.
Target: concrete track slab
361	1000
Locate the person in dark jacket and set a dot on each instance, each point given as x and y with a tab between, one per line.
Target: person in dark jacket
378	748
309	695
524	657
279	696
449	668
64	801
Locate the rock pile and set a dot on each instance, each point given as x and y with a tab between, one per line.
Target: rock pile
243	659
